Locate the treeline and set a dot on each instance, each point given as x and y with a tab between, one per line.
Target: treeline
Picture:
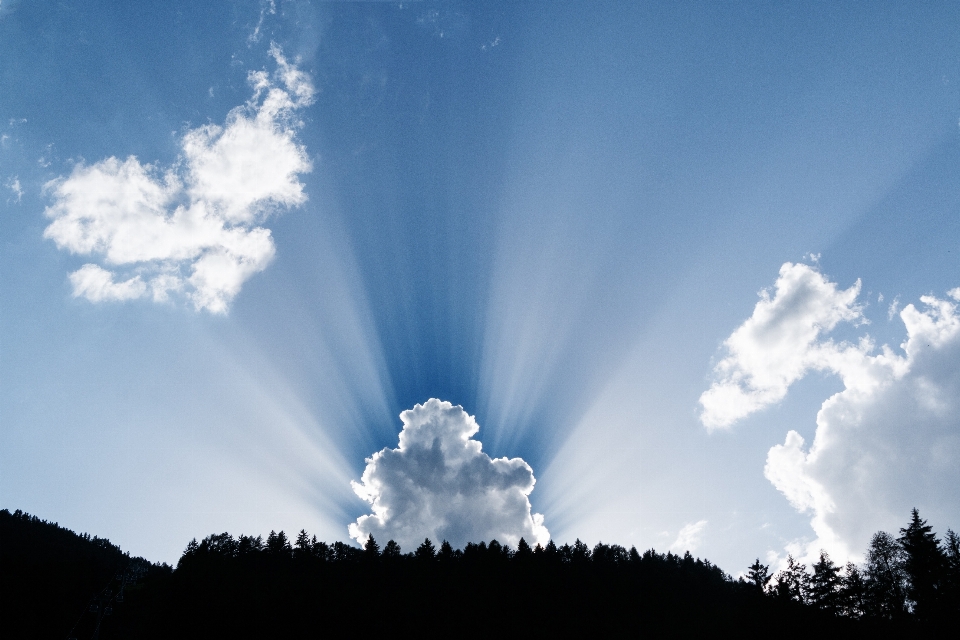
277	587
913	577
250	586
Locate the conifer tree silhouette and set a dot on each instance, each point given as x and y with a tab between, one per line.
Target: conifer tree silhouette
371	550
426	551
925	565
824	584
446	553
758	575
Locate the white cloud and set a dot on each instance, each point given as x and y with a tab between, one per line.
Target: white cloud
779	344
894	308
439	484
268	6
96	284
195	227
14	185
889	441
689	537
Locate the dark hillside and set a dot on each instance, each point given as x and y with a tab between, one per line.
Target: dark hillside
51	577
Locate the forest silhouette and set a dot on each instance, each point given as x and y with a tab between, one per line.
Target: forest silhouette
59	584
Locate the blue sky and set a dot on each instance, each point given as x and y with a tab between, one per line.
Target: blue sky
556	215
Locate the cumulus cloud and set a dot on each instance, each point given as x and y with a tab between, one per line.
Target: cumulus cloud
779	344
890	440
439	484
194	228
689	537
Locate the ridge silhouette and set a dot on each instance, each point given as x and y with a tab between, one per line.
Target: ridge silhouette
59	584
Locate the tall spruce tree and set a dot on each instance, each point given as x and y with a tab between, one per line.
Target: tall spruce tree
426	552
925	566
824	584
371	550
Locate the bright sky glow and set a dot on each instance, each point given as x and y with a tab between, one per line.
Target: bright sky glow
240	238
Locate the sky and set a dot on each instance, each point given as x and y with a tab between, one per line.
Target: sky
672	275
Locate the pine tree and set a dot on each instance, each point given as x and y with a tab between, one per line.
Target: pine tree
758	575
523	549
426	551
302	545
446	553
824	584
580	552
925	566
371	550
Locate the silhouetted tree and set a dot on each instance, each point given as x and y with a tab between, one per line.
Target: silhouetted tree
551	554
924	566
524	552
247	545
278	544
392	550
609	554
824	584
446	553
303	546
758	575
580	552
886	578
371	550
426	551
345	553
497	552
791	583
853	591
320	550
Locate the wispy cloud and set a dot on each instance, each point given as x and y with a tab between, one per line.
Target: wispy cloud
14	185
689	537
194	228
439	484
267	7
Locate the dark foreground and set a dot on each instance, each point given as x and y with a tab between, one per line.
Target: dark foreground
57	584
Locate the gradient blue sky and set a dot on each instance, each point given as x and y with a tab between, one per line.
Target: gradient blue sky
553	214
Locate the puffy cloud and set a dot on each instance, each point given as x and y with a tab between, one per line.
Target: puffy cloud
889	441
439	484
194	228
96	284
689	537
778	344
